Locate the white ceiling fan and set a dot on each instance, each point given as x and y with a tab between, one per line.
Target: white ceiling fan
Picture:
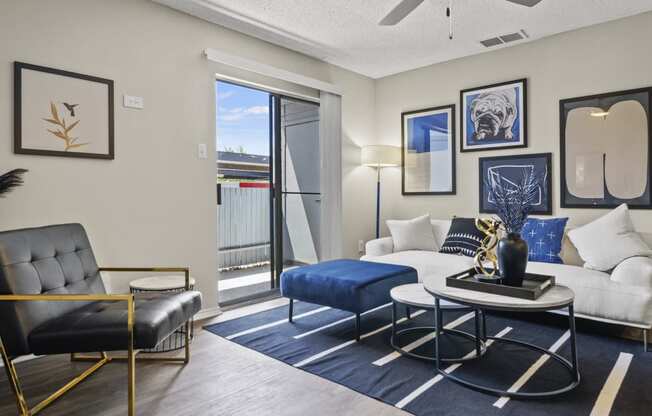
406	7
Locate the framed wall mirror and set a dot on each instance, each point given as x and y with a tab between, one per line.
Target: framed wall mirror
605	150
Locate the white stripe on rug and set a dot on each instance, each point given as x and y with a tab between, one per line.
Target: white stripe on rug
276	323
502	401
347	343
321	328
425	386
419	342
609	391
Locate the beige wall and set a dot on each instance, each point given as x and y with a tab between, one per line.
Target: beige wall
609	57
155	203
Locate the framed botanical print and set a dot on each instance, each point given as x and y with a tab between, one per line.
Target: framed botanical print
428	151
509	171
605	143
61	113
494	116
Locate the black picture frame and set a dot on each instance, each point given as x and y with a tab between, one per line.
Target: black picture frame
443	108
570	201
522	118
19	67
547	187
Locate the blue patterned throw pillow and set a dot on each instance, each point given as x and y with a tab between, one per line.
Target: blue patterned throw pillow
544	238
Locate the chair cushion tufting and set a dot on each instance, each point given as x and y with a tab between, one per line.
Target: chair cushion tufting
55	259
102	326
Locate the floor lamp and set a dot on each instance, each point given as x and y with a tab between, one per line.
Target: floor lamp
380	156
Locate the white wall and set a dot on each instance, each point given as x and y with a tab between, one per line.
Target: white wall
155	203
609	57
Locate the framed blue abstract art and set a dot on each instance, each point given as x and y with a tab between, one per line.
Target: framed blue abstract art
428	151
494	116
508	171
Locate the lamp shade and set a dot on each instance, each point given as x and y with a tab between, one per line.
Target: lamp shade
381	156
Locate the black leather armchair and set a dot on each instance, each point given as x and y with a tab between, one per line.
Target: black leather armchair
53	301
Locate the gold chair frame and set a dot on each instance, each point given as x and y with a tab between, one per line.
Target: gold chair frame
131	358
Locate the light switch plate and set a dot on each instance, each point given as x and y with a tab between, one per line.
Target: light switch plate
202	151
131	101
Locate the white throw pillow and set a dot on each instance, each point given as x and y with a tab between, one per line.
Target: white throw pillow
609	240
414	234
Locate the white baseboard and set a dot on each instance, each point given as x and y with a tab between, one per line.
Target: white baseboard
208	313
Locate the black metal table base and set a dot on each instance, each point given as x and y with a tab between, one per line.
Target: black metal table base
478	338
571	366
395	337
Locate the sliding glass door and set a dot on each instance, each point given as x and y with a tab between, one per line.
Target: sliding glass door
296	183
268	189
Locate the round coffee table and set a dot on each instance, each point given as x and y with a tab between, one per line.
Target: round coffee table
163	284
557	297
414	295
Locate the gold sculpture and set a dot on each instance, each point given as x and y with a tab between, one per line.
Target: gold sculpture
486	252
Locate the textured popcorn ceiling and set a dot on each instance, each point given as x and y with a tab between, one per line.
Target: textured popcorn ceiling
346	33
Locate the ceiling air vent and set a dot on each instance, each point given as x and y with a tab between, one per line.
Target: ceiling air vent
488	43
510	37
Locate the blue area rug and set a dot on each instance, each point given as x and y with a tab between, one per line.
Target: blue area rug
321	341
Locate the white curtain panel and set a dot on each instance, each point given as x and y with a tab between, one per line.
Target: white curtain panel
330	139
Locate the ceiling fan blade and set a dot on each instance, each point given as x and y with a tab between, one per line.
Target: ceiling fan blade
528	3
399	12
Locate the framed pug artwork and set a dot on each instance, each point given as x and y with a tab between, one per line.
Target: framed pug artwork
62	113
494	116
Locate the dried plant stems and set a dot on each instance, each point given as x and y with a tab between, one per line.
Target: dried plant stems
514	202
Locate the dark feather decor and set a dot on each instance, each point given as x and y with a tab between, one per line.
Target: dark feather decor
11	180
514	201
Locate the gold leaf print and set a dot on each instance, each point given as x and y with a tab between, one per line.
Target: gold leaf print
64	130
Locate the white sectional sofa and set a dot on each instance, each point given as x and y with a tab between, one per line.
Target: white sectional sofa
622	297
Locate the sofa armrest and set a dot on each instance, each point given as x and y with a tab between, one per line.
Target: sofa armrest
379	246
634	271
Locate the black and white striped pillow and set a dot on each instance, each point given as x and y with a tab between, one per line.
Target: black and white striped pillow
463	238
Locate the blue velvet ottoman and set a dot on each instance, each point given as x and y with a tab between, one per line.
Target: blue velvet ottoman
351	285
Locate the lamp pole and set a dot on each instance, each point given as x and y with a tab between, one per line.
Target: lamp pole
380	156
378	201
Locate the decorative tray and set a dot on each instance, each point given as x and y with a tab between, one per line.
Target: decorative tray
534	285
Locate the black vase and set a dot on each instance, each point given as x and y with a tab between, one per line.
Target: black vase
512	259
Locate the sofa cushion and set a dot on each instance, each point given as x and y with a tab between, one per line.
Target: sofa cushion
635	271
426	263
607	241
544	238
463	238
102	326
414	234
597	295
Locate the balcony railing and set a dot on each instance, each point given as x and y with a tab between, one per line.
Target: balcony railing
243	226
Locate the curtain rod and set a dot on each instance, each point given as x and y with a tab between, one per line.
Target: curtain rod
269	70
265	87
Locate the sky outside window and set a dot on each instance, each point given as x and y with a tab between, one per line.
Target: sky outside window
242	122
